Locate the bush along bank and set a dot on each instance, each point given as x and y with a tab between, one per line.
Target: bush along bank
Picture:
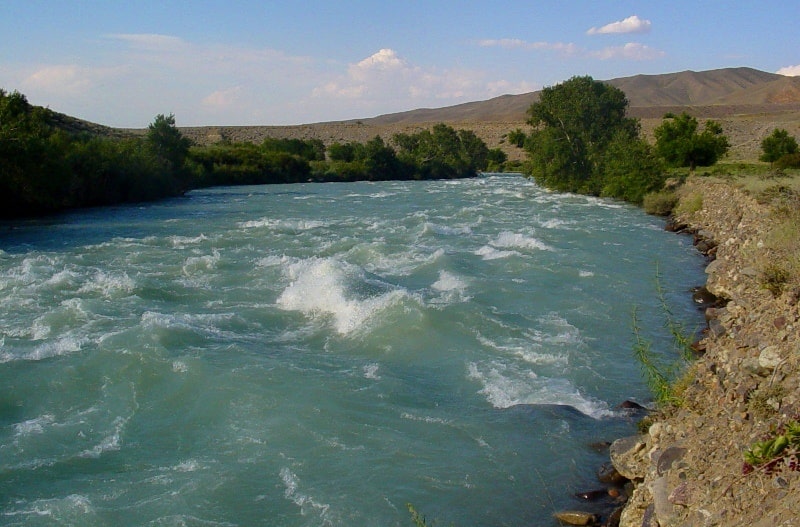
725	452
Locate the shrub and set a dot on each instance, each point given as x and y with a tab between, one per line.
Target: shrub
690	204
788	161
660	203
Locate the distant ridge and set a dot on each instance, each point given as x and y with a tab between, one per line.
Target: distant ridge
646	94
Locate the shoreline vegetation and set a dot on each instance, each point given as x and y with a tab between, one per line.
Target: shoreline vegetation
47	169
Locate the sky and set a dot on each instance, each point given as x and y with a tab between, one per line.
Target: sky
249	62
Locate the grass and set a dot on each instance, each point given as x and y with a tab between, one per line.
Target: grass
667	381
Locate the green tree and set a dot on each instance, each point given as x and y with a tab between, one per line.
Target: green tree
495	160
573	123
168	144
680	144
516	137
631	169
443	152
777	145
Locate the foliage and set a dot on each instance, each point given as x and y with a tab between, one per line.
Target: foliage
680	144
574	125
496	160
630	169
308	149
517	137
791	160
777	449
666	381
442	152
44	169
690	203
777	145
660	203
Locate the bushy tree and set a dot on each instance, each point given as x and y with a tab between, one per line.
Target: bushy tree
170	146
777	145
631	169
443	152
516	137
680	144
573	124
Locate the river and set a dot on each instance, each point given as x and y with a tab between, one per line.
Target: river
325	354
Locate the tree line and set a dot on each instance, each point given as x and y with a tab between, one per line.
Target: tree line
45	169
582	141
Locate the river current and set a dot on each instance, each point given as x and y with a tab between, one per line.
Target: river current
325	354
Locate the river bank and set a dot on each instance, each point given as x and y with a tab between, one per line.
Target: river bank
688	470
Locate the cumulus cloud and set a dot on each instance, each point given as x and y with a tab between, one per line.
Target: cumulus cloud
632	24
630	51
790	71
385	76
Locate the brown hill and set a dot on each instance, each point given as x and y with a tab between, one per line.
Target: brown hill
723	87
749	104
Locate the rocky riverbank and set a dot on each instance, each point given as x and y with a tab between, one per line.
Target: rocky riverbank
689	470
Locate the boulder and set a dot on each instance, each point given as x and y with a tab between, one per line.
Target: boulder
629	456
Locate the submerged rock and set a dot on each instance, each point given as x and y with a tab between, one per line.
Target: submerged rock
576	517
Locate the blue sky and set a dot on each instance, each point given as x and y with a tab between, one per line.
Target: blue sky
247	62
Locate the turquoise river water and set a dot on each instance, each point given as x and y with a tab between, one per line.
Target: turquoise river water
325	354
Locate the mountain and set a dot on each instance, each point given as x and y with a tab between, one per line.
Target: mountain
646	95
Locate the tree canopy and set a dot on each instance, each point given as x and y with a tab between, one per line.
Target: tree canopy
582	141
680	144
45	169
778	144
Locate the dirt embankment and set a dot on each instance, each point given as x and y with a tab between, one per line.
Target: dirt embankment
688	469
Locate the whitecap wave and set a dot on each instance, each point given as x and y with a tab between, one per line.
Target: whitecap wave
504	387
508	239
326	287
490	253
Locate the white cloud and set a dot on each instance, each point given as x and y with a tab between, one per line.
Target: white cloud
67	77
512	43
632	24
630	51
387	80
790	71
148	41
222	100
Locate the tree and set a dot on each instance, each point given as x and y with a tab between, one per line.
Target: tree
680	145
631	169
168	143
573	123
516	137
443	152
777	145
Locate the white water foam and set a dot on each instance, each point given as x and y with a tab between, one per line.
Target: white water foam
446	230
208	262
306	503
291	225
507	239
320	287
371	371
33	426
490	253
504	387
452	288
108	284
